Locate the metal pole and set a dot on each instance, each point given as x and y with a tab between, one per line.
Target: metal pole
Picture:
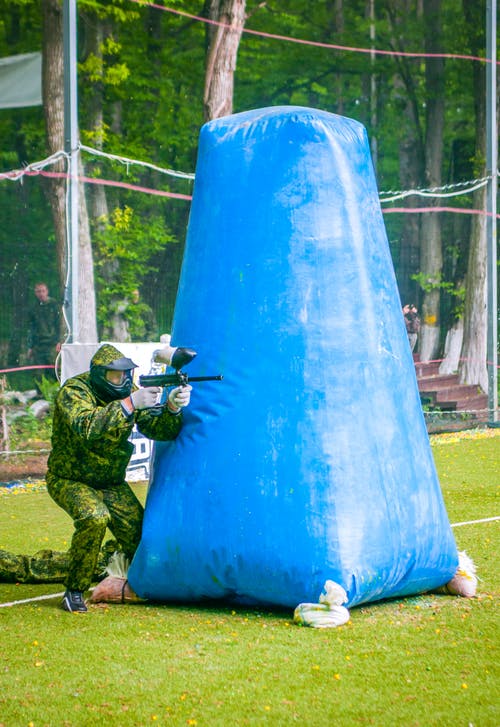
373	88
71	148
491	203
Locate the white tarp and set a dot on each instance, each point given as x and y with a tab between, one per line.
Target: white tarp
21	81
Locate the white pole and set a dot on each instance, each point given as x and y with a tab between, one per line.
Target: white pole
491	220
71	148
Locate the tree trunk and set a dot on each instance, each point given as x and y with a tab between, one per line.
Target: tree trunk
370	86
53	103
221	56
473	369
87	316
409	253
452	348
337	27
53	106
411	163
96	34
431	255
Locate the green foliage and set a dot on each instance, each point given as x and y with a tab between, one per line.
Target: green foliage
120	11
124	247
48	389
96	70
24	428
429	284
458	294
454	291
28	429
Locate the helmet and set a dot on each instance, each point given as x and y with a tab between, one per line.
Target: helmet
108	358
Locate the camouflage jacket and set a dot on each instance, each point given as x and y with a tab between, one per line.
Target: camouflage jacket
90	438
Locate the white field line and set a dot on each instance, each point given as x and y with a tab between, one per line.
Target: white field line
473	522
35	598
30	600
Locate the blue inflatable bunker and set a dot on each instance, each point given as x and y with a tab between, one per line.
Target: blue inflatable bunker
310	460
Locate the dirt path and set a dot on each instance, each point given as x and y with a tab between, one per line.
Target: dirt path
16	467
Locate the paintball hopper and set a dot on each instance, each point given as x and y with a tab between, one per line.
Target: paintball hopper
175	357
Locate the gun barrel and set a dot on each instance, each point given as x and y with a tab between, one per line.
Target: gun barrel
205	378
178	379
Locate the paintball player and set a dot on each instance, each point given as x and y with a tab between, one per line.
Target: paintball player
412	323
93	417
140	318
44	332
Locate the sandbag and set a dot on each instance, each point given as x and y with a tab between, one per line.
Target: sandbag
114	589
464	582
328	613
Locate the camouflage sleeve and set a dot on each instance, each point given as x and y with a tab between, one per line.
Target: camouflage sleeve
164	427
95	423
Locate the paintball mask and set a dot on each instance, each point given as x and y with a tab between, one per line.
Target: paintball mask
111	373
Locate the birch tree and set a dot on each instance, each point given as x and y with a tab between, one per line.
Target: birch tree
224	39
53	103
431	254
472	368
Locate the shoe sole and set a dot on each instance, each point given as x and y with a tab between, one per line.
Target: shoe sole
65	605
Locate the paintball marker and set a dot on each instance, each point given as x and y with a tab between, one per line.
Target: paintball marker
180	357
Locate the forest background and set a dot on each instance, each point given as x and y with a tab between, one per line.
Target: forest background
150	75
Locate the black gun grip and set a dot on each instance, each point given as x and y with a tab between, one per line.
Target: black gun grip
157	410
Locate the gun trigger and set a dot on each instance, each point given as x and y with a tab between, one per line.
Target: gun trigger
156	410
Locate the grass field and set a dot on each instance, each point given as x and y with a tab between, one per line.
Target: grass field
421	661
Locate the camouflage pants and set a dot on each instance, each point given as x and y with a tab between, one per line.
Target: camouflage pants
92	511
44	355
47	566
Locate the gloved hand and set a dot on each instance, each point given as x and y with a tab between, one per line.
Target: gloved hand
179	397
145	398
164	355
176	357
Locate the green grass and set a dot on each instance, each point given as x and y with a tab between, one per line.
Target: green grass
426	660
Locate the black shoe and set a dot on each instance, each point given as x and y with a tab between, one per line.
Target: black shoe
73	601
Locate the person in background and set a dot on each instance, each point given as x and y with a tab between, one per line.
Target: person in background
412	322
44	327
141	321
93	417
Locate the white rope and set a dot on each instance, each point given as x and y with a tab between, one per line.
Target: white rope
443	188
448	190
24	451
16	174
456	415
127	162
430	193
